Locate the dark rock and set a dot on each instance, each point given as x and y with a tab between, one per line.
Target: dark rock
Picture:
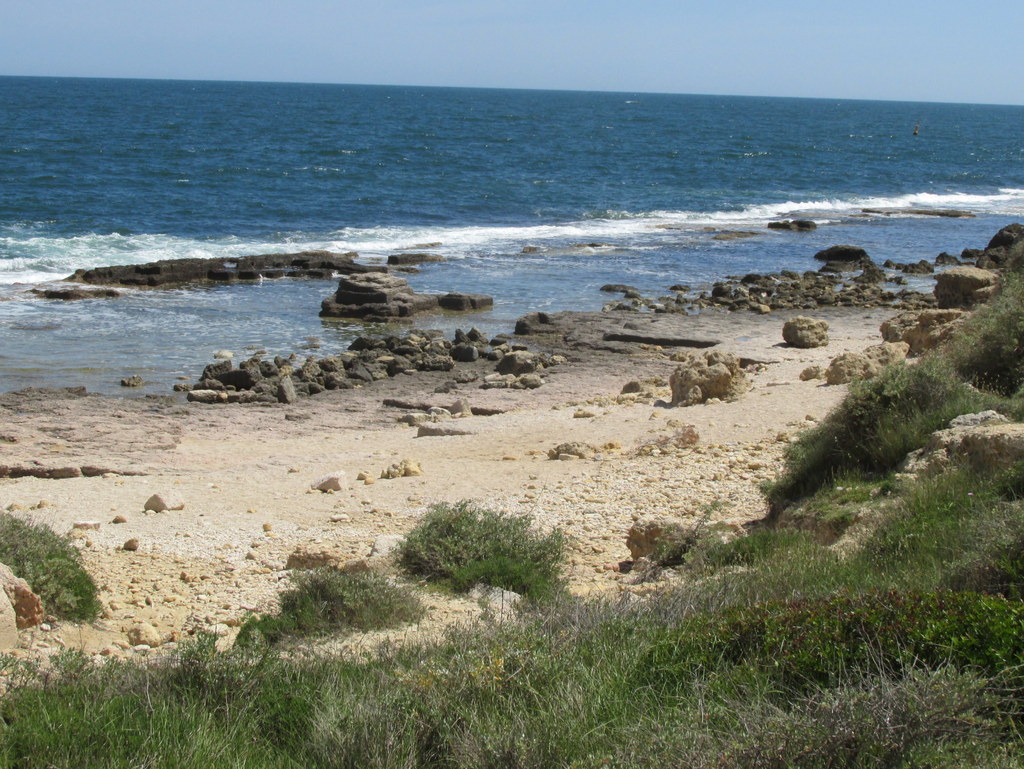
465	353
175	271
75	294
401	260
618	288
132	381
215	370
842	254
465	302
946	260
795	225
1009	236
241	378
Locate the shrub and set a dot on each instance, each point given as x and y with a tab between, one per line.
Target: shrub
325	600
822	641
989	351
52	567
461	544
875	427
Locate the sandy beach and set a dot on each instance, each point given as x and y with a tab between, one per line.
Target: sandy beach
244	473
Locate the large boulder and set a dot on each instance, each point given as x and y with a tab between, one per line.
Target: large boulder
706	375
865	365
805	332
26	605
964	287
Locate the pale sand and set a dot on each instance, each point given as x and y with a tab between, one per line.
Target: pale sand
239	468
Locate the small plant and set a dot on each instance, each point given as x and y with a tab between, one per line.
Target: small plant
325	600
52	567
462	544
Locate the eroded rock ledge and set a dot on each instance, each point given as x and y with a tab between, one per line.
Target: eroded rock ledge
305	264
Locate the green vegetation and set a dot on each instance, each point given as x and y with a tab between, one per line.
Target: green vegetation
873	621
52	567
462	545
324	601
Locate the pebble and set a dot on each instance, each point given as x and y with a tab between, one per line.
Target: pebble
131	545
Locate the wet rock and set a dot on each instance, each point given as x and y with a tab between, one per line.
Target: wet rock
133	381
795	225
322	264
842	253
404	260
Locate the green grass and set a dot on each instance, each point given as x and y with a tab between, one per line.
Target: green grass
323	601
52	567
463	544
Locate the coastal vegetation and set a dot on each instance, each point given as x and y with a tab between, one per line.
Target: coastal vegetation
51	565
873	619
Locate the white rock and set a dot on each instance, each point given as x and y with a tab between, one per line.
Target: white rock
223	355
386	544
8	624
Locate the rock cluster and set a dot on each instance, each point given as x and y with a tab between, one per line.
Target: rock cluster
369	359
381	297
305	264
706	375
923	330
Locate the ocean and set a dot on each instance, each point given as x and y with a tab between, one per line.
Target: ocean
605	188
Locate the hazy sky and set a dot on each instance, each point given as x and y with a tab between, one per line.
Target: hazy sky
917	50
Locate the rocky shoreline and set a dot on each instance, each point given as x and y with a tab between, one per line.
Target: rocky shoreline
639	418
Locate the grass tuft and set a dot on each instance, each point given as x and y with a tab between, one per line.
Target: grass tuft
462	544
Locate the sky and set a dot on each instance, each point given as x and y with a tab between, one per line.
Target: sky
913	50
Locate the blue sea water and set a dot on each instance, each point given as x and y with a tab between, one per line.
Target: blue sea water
98	172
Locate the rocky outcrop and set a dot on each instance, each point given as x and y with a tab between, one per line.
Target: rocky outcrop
805	333
923	330
988	443
380	297
367	360
305	264
865	365
76	294
707	375
794	225
965	287
405	260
